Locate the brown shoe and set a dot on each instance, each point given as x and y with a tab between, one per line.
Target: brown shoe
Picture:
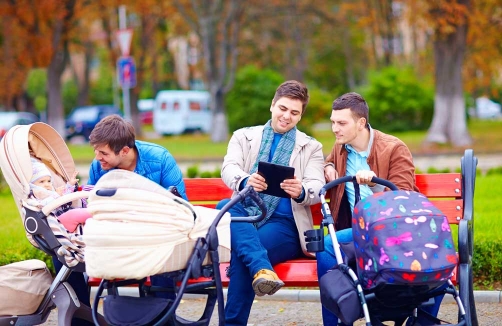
266	282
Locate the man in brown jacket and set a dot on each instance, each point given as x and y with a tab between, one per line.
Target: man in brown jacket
364	152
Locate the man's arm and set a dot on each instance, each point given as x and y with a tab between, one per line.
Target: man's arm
172	175
232	172
402	169
313	176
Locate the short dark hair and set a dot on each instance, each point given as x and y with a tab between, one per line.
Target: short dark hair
355	103
113	131
294	90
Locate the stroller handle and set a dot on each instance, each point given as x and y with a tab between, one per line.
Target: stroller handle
247	191
349	178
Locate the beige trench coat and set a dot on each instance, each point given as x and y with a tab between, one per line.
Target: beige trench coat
307	159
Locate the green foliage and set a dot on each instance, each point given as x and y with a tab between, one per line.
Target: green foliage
193	171
70	95
217	173
493	171
101	91
36	87
248	102
318	109
206	174
487	261
435	170
398	100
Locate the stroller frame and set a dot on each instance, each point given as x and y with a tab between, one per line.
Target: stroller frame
43	141
365	298
212	287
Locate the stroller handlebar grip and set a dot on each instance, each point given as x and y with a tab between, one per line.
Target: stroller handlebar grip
249	191
348	178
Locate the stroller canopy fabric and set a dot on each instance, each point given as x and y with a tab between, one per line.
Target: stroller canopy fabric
141	229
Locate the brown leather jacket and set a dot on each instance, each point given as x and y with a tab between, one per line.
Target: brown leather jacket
389	158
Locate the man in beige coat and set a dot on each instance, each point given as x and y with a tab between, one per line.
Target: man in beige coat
279	237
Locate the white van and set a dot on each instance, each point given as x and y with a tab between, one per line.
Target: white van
176	112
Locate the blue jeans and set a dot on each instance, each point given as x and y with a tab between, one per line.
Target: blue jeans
326	259
252	250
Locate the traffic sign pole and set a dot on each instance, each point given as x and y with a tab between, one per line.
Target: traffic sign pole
125	88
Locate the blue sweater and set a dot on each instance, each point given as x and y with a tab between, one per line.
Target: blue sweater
154	162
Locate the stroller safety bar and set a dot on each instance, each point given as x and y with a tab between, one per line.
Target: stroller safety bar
63	200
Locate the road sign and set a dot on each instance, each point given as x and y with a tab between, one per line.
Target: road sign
126	72
124	37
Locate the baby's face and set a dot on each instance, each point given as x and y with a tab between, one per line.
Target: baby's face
44	182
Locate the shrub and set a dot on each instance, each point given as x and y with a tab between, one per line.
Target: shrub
217	173
435	170
487	261
496	170
248	102
318	109
193	171
206	174
398	100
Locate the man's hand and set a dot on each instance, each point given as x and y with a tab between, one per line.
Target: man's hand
330	173
292	187
257	182
364	177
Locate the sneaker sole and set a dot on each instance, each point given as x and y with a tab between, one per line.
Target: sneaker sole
263	286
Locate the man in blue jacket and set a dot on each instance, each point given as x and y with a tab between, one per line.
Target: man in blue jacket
116	147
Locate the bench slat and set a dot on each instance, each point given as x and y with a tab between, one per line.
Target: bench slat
441	185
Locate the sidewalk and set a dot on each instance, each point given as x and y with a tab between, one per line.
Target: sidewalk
299	295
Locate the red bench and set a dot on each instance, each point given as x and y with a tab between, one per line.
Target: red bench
452	193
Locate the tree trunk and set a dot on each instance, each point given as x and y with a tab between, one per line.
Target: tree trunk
449	121
84	83
219	129
55	110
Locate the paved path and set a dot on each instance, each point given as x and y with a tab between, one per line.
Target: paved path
267	312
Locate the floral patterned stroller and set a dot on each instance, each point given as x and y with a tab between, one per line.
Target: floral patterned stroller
42	227
401	258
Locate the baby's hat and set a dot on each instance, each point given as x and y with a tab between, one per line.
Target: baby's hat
39	170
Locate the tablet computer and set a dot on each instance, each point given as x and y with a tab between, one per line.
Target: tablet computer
274	174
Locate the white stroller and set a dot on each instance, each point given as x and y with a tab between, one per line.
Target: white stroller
140	229
43	228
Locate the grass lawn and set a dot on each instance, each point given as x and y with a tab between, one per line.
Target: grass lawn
198	147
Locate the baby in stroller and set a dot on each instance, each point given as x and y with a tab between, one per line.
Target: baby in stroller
43	192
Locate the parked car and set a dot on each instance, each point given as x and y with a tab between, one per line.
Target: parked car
177	112
83	119
145	108
10	119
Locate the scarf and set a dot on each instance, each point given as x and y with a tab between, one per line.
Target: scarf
282	156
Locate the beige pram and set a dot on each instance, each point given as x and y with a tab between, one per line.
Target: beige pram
43	228
140	229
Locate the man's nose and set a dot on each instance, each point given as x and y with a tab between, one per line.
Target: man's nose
97	155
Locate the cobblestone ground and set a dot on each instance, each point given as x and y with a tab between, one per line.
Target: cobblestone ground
288	313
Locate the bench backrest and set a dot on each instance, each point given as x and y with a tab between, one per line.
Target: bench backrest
444	188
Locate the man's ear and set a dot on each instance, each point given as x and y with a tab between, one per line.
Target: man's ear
125	150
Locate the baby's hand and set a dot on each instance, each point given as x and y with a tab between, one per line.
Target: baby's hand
73	180
60	190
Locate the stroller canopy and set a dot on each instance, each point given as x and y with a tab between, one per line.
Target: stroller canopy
39	140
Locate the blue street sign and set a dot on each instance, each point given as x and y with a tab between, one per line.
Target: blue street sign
126	72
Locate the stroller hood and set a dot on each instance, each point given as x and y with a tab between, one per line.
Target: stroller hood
39	140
